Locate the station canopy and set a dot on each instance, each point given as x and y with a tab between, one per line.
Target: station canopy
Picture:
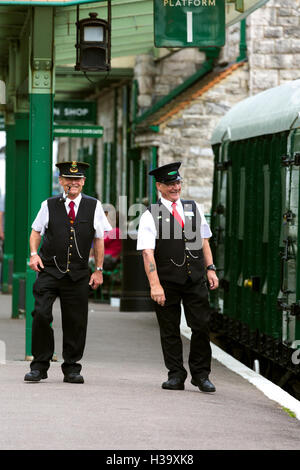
132	28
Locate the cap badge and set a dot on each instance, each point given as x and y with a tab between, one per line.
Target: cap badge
73	168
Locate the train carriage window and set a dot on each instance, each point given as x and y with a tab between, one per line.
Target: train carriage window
222	206
266	171
242	203
229	205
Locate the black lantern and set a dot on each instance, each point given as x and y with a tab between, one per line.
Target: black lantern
93	42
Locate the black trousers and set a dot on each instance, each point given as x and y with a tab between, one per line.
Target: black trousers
194	297
74	313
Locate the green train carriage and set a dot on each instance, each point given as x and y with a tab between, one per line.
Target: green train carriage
255	222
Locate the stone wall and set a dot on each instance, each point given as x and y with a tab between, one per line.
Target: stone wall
173	70
157	78
231	51
144	73
186	137
274	44
2	92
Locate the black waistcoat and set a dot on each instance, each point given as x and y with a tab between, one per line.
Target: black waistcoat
178	252
66	246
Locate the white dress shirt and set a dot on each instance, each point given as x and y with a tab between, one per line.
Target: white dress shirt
101	223
147	229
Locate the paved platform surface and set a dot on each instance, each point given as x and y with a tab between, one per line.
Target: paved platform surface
121	405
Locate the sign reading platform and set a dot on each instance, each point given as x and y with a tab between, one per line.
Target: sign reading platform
189	23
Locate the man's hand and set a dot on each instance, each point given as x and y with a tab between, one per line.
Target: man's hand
96	279
158	295
35	263
213	281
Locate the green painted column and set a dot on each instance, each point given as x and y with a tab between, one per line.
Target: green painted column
40	182
89	155
21	211
9	244
153	191
41	100
243	41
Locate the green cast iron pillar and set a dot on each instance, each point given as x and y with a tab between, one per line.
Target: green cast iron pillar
17	126
10	159
243	41
21	210
9	246
41	95
153	191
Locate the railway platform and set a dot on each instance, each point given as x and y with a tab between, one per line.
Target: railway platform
121	404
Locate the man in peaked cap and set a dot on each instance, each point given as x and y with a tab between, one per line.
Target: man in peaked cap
174	237
69	223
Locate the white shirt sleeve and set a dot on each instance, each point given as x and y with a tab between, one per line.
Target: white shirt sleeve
101	223
146	232
205	230
40	223
1	203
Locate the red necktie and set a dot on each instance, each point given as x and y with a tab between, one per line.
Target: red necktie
176	215
71	212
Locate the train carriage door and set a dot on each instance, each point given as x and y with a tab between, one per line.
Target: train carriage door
250	233
288	300
219	219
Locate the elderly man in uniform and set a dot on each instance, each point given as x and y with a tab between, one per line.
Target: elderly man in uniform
69	224
174	237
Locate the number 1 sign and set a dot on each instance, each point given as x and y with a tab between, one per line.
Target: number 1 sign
189	23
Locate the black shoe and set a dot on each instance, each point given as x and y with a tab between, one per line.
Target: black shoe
204	384
74	378
174	383
35	376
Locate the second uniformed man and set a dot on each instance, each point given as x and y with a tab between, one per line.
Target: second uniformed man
69	224
174	237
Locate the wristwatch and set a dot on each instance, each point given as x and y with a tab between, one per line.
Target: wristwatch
33	253
211	267
99	269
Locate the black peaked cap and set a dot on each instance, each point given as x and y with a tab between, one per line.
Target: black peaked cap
166	173
72	169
